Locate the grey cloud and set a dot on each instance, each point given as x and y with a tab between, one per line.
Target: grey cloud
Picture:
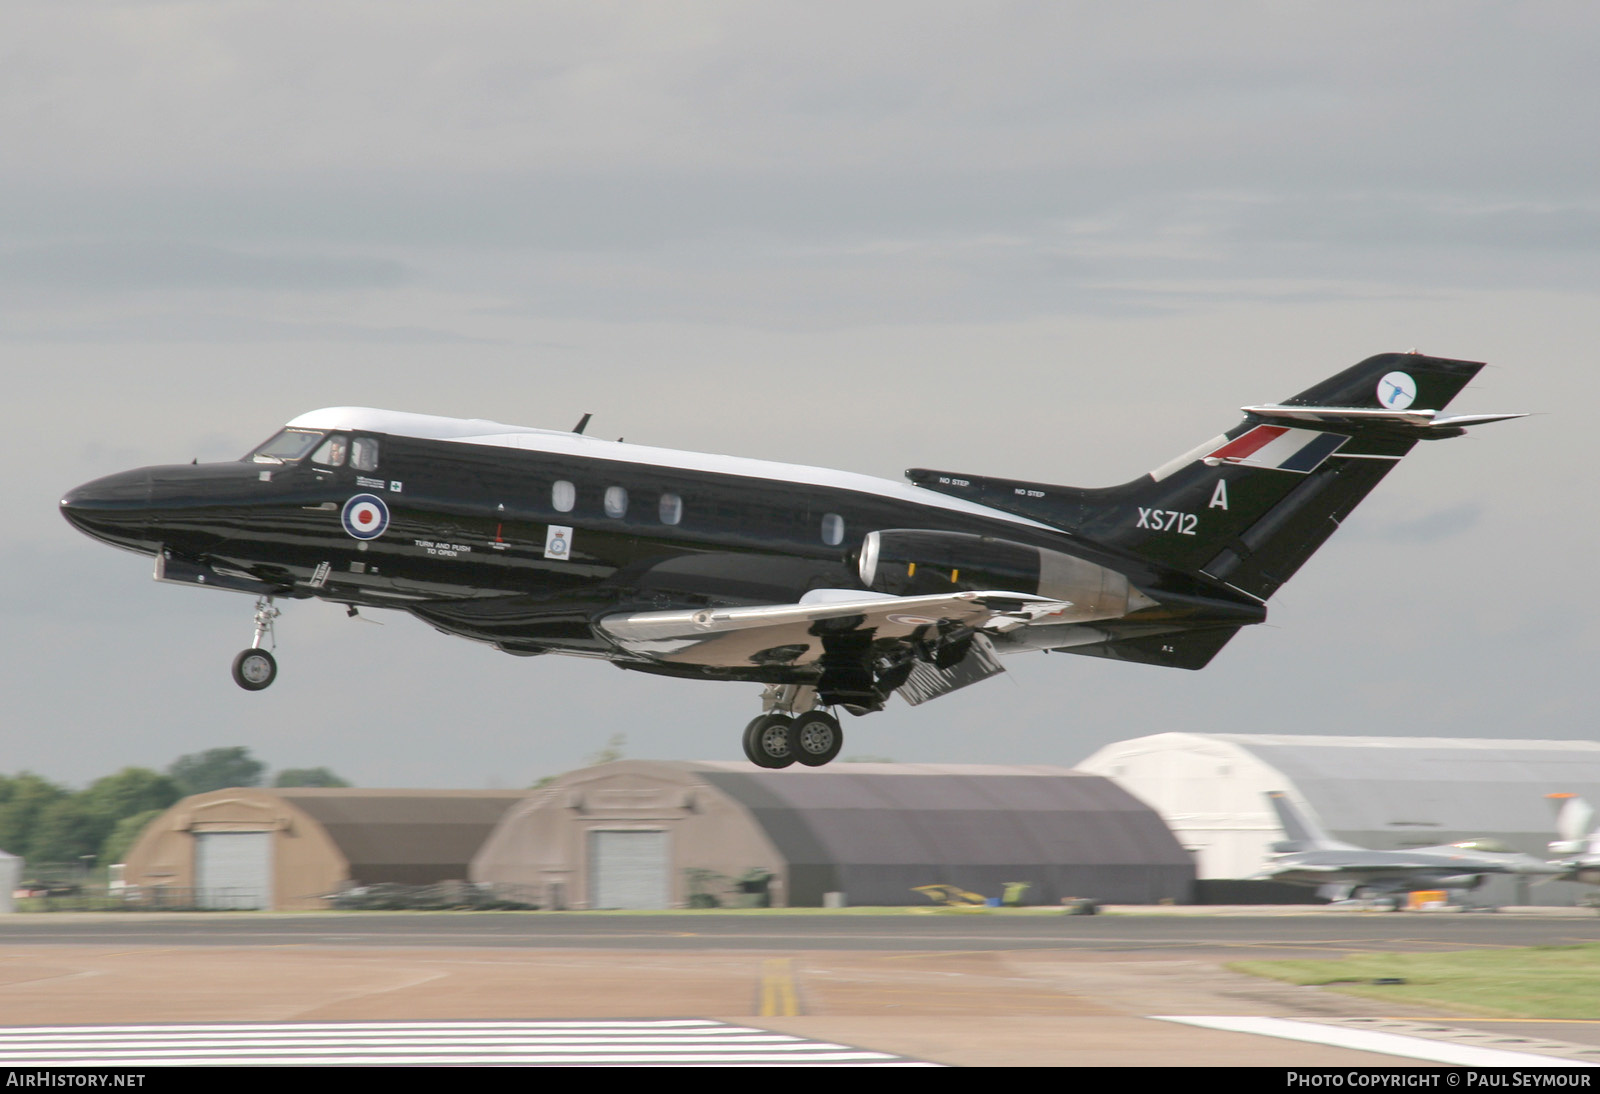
1390	220
559	209
200	326
117	265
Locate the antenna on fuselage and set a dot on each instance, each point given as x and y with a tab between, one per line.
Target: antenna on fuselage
583	423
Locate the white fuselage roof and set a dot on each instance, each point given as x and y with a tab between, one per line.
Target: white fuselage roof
528	439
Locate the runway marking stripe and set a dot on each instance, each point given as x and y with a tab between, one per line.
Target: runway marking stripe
772	1045
855	1059
668	1024
778	998
687	1041
18	1050
1390	1044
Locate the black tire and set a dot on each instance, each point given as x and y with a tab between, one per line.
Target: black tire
254	669
815	738
768	741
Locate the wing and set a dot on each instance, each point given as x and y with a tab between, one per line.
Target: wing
800	634
1369	868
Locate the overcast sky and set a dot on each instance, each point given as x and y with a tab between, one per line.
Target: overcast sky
1058	241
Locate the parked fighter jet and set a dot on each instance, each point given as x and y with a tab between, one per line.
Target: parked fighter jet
831	589
1311	857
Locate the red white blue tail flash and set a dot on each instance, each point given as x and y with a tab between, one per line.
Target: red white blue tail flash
1278	447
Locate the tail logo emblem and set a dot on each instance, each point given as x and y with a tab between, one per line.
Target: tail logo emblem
1396	391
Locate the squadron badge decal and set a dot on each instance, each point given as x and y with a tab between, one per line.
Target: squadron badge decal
1397	391
365	516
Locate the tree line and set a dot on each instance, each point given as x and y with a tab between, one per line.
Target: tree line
43	822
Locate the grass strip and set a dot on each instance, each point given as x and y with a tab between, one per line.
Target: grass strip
1538	982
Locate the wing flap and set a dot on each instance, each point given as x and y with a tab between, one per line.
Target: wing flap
791	634
927	682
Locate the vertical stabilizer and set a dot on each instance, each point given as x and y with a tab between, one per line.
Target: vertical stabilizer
1247	508
1305	833
1575	828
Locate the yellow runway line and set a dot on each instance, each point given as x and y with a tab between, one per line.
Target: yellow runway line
778	999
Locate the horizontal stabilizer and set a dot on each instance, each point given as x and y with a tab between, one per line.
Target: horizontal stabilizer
1420	420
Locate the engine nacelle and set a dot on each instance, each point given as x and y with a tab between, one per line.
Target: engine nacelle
916	562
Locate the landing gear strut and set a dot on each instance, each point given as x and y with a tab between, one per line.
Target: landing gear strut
256	668
780	737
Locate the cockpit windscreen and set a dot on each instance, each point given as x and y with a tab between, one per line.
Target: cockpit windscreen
287	446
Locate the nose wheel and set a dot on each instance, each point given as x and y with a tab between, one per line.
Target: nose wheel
256	668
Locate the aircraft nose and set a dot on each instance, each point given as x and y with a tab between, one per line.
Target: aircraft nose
96	507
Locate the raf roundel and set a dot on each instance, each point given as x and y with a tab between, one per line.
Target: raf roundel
365	516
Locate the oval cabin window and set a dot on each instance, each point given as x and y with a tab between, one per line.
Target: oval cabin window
832	529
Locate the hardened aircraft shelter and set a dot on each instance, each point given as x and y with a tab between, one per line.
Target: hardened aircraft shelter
659	834
291	848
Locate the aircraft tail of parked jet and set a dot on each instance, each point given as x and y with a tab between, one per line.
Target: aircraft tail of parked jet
1574	825
1248	507
1304	833
1578	838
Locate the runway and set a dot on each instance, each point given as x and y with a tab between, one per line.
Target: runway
958	990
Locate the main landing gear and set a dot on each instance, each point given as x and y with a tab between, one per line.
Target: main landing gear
256	668
780	737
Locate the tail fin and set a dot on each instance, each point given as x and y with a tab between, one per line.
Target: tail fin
1575	828
1249	507
1304	833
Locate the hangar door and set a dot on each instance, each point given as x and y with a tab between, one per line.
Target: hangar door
233	869
628	869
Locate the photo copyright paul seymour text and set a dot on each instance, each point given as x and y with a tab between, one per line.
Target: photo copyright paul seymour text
1440	1079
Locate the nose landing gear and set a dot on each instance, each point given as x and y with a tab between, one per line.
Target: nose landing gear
256	668
780	737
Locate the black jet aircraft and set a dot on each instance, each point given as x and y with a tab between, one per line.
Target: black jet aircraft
1309	856
831	589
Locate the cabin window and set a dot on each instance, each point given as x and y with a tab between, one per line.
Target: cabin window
563	495
364	454
332	452
832	529
616	501
671	508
